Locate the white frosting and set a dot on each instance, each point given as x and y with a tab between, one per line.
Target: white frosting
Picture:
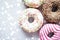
38	21
32	2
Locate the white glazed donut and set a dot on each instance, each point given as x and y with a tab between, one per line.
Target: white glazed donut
33	3
31	20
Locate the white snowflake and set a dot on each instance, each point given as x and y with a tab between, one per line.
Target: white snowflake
2	13
5	11
12	33
10	18
2	8
6	3
18	4
3	39
32	38
3	22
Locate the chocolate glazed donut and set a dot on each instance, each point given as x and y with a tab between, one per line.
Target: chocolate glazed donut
51	11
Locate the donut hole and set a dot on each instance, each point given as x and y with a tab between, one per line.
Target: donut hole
50	34
54	7
31	19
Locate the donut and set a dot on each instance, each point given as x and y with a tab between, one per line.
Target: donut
51	11
31	20
48	1
50	32
33	3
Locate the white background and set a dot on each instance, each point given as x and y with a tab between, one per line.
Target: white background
10	11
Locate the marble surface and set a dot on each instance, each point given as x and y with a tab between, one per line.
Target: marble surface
10	11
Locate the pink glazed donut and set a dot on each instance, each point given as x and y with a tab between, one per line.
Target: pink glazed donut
50	32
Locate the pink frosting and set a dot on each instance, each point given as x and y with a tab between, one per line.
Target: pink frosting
46	29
